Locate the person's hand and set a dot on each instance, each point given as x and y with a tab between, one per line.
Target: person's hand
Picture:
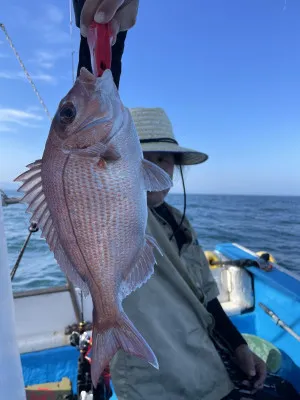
120	13
253	366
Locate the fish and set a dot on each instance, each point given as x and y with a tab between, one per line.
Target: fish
88	196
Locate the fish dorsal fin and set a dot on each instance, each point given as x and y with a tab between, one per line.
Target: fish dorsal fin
37	205
155	178
142	270
36	200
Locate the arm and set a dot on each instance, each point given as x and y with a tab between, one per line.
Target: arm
121	14
248	362
126	16
224	326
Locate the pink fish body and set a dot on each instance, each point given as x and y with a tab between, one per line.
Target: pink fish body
88	196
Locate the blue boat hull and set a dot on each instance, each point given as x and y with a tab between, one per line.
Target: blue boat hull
278	291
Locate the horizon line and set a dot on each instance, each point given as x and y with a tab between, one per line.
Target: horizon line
203	194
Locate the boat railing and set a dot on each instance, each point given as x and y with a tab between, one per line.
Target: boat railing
42	291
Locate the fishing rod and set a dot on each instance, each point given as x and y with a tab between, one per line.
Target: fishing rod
79	313
82	323
32	229
279	321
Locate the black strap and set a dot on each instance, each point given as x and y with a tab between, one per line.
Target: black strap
158	140
164	212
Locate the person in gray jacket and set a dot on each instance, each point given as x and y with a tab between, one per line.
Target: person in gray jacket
177	310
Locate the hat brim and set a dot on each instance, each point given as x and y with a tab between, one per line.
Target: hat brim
189	156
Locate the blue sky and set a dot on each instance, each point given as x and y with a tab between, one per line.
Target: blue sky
227	72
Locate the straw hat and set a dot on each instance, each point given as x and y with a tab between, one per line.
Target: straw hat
156	134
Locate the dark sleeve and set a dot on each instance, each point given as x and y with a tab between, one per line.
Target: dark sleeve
84	51
77	6
223	325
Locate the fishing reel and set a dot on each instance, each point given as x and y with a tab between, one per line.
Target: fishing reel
82	342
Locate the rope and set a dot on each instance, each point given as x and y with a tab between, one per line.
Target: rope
2	26
71	37
184	204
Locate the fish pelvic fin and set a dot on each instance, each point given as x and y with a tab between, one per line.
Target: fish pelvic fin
155	178
123	335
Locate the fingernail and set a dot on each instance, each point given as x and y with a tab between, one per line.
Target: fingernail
113	40
83	30
100	17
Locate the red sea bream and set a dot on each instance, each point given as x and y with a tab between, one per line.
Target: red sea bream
88	196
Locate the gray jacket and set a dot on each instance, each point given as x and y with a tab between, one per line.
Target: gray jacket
169	311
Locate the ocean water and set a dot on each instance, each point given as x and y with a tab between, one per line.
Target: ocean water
258	222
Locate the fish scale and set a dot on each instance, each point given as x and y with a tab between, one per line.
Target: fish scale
88	196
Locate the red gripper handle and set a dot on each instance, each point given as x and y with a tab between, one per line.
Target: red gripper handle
99	41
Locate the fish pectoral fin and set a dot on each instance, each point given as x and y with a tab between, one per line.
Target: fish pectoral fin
101	150
155	178
123	335
111	153
142	270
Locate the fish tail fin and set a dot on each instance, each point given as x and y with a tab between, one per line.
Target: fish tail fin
122	336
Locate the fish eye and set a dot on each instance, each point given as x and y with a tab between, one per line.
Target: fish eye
67	113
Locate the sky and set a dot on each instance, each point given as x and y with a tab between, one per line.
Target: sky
227	72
